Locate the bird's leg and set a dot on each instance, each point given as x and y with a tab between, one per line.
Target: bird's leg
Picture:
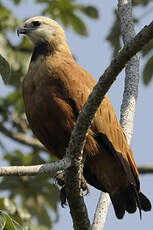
84	185
59	178
60	181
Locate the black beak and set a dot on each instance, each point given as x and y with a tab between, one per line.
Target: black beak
21	30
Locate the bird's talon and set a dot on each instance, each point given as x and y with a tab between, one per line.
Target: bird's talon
59	179
84	186
63	197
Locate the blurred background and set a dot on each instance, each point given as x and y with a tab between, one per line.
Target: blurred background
93	33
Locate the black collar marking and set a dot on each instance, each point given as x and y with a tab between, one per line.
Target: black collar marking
42	48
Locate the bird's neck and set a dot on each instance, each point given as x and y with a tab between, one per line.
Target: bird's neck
48	48
42	49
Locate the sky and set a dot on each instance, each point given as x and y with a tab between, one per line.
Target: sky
94	54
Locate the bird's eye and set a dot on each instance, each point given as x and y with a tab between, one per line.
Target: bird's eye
36	23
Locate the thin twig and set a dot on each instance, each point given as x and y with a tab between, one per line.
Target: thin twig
22	138
145	169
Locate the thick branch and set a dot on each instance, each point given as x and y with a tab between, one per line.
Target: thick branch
131	71
48	168
51	168
85	118
101	211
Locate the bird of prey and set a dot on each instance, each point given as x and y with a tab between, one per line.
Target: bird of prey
54	91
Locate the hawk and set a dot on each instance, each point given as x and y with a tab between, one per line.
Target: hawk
54	91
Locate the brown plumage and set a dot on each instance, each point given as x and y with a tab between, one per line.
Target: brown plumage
54	91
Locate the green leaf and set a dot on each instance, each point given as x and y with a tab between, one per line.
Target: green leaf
9	205
5	70
65	19
2	221
10	224
16	1
2	206
148	71
114	35
43	215
140	2
90	11
17	226
78	25
15	99
23	213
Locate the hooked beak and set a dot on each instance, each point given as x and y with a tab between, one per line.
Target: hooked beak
22	30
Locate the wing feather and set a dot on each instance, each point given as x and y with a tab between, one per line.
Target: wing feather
105	120
111	128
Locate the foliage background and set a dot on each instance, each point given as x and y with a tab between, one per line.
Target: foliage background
38	197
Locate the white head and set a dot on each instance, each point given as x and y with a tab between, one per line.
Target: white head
42	29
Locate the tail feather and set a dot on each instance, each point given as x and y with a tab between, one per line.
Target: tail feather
119	205
145	203
131	202
138	202
128	200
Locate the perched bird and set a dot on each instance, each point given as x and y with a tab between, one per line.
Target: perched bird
54	91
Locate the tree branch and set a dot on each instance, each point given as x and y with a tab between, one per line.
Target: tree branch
101	211
48	168
145	169
129	98
22	138
131	71
51	168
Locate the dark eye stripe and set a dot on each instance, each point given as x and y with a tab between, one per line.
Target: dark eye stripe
36	23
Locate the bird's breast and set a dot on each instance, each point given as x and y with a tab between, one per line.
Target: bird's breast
49	115
39	74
